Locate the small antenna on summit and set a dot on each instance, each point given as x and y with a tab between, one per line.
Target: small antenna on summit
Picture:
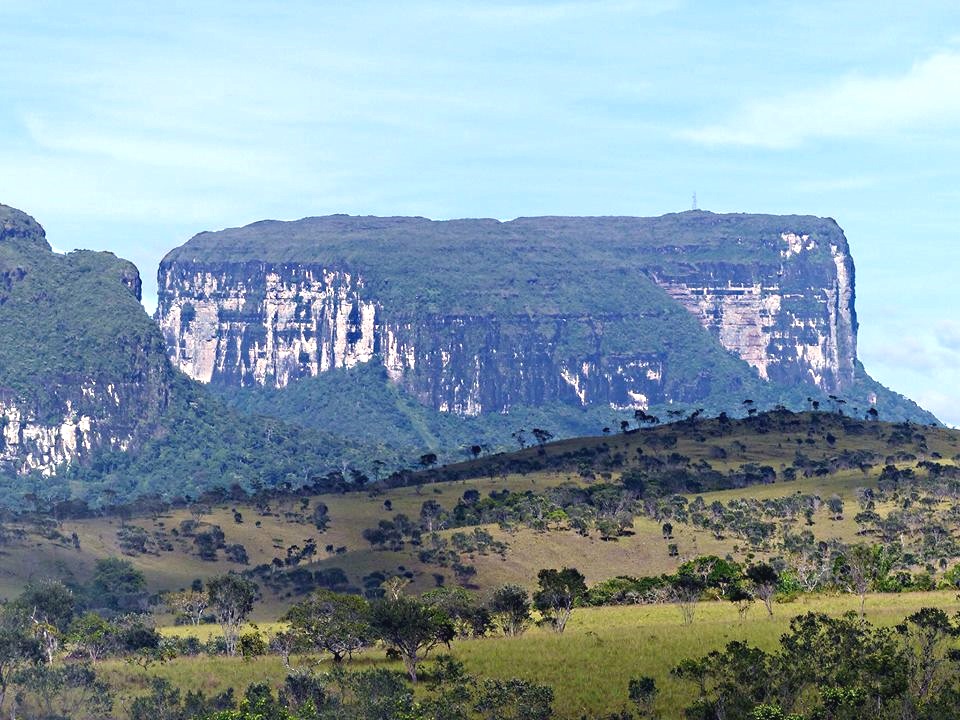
694	206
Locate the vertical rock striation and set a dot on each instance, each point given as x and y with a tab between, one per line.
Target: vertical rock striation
478	316
793	320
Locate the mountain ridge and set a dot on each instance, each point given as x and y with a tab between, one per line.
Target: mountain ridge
598	307
91	407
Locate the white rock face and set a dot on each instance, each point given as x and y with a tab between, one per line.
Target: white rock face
303	321
573	380
302	324
772	328
739	315
796	244
789	315
398	357
29	444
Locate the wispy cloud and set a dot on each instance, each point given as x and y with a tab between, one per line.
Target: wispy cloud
927	96
545	12
947	333
143	149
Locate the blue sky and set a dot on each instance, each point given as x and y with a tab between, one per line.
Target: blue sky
130	126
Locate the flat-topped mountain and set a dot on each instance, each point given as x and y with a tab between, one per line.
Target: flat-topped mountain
480	316
358	344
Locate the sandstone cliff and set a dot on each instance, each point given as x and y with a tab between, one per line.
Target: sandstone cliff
475	316
81	368
90	401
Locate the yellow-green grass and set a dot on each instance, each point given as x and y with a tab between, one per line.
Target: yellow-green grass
643	553
37	557
206	631
590	665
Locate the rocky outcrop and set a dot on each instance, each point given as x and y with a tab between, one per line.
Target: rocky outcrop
82	369
793	320
29	443
299	321
479	316
264	324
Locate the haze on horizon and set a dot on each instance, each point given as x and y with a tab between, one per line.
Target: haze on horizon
132	128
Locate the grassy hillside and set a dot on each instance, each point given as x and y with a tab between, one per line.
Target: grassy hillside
854	481
824	445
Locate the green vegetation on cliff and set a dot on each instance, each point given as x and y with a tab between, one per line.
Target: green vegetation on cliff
64	317
593	266
502	316
84	380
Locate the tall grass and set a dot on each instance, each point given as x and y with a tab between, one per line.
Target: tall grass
589	666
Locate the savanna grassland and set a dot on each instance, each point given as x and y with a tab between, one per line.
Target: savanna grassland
841	456
670	528
589	666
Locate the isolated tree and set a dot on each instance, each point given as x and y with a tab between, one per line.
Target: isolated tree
764	579
928	638
643	692
558	592
685	592
514	699
644	418
475	451
410	628
741	599
859	567
428	460
510	607
333	623
118	585
321	516
49	607
48	601
520	436
464	572
542	436
192	603
231	597
809	569
94	636
393	587
430	512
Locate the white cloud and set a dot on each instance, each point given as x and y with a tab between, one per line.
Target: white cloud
920	359
145	150
925	97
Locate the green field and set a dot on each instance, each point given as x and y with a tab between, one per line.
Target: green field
589	666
